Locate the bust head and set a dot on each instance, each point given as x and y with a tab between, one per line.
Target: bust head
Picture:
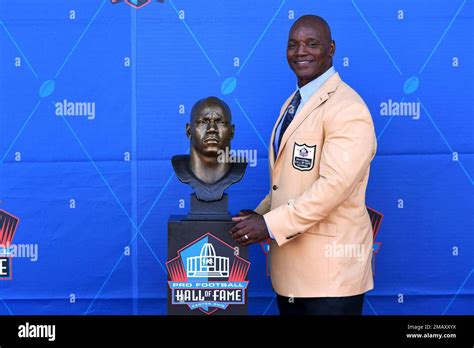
209	129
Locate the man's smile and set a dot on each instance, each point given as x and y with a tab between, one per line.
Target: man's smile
303	62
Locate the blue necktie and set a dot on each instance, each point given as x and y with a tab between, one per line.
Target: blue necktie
289	115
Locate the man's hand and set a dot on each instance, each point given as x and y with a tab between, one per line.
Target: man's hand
250	228
243	214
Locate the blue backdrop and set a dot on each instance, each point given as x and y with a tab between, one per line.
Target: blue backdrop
94	187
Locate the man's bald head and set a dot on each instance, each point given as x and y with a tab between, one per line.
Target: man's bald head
316	21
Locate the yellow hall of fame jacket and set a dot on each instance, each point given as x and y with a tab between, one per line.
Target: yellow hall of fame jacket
316	202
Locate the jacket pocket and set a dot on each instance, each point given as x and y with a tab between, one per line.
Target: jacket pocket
324	228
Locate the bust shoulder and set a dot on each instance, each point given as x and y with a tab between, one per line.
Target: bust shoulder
205	191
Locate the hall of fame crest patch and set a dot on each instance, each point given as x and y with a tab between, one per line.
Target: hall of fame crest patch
303	156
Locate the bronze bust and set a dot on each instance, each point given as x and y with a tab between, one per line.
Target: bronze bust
210	132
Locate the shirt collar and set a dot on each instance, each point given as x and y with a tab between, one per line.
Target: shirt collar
312	87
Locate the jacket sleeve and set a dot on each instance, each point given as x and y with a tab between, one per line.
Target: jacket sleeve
349	146
264	206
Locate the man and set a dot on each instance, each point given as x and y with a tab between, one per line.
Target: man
320	153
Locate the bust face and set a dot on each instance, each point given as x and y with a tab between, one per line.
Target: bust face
210	129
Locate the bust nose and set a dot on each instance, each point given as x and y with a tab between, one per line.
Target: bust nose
211	127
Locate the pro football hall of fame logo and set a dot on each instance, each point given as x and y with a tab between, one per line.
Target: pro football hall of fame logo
208	275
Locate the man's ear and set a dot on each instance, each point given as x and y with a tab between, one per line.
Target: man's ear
188	130
232	132
332	48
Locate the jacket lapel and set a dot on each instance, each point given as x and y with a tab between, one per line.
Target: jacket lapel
315	101
271	155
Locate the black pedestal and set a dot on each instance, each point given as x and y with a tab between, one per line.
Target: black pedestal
206	266
214	210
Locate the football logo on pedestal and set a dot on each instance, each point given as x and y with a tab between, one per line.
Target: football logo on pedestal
208	275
